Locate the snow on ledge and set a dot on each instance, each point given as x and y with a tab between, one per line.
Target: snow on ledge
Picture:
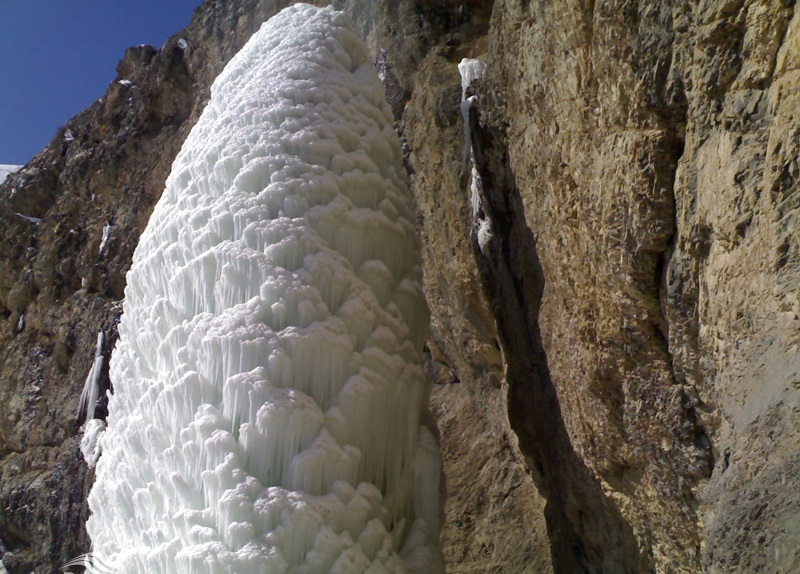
268	380
6	170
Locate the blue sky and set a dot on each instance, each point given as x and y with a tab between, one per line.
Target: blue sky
58	56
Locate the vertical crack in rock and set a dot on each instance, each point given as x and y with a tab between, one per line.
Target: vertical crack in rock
587	533
678	330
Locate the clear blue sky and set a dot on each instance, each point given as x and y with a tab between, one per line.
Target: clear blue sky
58	56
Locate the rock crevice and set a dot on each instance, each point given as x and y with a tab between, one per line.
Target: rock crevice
586	533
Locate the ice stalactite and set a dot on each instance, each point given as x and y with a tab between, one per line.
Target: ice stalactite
471	70
106	236
91	388
269	393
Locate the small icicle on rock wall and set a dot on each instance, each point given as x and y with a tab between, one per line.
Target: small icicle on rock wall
268	387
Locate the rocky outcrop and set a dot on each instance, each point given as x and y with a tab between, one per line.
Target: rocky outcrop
653	147
616	361
493	512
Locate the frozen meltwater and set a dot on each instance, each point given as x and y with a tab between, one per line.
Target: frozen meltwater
268	387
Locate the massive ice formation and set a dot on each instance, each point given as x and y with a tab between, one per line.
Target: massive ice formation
267	382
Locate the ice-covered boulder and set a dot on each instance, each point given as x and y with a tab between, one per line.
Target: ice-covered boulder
268	387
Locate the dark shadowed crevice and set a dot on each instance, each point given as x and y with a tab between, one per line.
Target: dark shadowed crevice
675	284
587	533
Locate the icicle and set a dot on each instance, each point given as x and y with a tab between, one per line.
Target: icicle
106	235
91	388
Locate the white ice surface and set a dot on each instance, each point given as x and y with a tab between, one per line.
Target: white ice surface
6	170
91	443
268	380
104	239
91	387
471	70
34	220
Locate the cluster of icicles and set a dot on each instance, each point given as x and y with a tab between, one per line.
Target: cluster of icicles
268	387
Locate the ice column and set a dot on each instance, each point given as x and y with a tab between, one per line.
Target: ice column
268	387
91	387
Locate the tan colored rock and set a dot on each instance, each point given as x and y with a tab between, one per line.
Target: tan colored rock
494	519
654	151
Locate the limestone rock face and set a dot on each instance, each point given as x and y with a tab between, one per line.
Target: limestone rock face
617	361
493	513
654	147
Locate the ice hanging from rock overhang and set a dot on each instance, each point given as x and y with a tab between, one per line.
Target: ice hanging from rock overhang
268	380
472	70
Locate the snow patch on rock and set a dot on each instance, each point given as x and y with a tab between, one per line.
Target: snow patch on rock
6	170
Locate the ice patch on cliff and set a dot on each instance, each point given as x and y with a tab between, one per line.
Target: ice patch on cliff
91	443
268	387
104	239
91	387
472	70
6	170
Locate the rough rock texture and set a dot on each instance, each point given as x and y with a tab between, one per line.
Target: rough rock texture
617	367
654	146
493	513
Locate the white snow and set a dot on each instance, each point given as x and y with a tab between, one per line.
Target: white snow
484	233
268	380
6	170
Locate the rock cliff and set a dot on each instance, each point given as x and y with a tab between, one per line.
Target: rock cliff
617	356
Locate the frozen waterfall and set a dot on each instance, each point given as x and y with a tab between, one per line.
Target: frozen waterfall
268	382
